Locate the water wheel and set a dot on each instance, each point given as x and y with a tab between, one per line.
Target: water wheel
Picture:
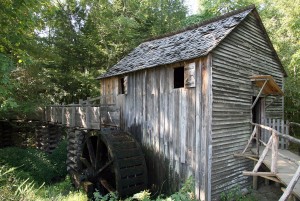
112	161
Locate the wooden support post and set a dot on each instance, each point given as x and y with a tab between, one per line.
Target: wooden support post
257	141
287	129
54	118
263	155
73	116
260	92
46	114
63	114
87	114
291	186
255	178
251	137
274	152
51	114
269	174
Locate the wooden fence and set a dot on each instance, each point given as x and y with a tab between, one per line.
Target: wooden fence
278	125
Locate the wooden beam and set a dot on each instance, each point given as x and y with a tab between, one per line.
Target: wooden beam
251	137
274	153
88	187
260	92
252	157
272	178
261	174
263	155
294	123
106	185
290	138
73	117
275	99
87	115
291	185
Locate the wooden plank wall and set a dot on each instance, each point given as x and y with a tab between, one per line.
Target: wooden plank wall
168	124
242	54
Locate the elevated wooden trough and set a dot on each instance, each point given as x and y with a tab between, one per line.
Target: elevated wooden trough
87	114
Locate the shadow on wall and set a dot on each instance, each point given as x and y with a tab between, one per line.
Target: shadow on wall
162	177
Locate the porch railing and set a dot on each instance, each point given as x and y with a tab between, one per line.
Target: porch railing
273	145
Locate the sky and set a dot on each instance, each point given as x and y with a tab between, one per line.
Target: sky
193	6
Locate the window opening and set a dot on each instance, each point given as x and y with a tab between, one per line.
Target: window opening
179	77
123	85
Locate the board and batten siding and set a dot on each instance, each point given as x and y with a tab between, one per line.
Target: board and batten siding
242	54
171	124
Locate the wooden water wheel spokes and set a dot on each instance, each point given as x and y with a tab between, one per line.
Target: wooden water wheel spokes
96	163
112	161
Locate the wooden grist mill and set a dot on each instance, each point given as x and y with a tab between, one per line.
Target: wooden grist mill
191	100
100	155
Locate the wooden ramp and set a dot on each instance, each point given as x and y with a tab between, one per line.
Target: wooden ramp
285	168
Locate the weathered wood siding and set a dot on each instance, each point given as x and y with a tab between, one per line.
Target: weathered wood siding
242	54
171	124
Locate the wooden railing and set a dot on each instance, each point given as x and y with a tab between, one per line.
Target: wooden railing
86	114
272	144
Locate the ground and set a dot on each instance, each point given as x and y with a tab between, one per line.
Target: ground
267	193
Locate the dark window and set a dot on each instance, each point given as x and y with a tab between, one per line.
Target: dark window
122	86
179	77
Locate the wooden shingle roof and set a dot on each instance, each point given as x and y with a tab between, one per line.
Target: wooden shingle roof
189	44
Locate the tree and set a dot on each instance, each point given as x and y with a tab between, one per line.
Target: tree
18	21
88	37
51	51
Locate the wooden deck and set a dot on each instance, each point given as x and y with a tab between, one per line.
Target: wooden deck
286	169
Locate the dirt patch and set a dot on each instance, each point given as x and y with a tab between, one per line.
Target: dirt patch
267	192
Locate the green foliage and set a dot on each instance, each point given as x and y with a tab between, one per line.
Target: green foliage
13	188
143	195
58	159
107	197
62	191
236	194
57	48
28	174
185	193
36	165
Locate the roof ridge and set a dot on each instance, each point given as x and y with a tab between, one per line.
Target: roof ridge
205	22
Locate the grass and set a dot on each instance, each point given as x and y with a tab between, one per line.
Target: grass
30	174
